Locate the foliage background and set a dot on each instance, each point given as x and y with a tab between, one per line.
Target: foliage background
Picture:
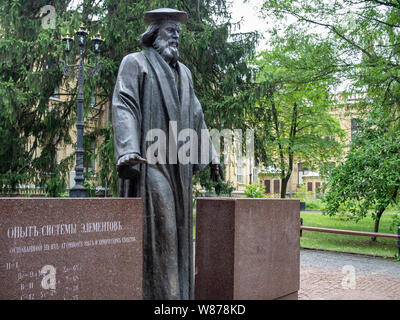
365	36
31	130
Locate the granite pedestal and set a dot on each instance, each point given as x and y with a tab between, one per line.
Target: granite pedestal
247	249
70	248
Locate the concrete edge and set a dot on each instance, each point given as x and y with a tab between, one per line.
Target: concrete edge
352	253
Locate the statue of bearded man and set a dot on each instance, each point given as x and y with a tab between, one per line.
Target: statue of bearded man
154	99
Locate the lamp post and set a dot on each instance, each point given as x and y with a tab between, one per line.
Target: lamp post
79	190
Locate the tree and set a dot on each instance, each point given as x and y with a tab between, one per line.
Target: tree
365	33
215	54
220	187
30	128
289	102
31	131
369	178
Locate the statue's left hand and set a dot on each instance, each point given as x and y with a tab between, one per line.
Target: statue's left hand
127	166
216	172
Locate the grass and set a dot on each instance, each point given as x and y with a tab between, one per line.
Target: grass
347	243
314	204
318	205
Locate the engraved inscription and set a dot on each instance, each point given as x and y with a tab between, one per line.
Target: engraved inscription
54	281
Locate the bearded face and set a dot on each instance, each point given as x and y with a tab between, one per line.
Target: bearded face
166	42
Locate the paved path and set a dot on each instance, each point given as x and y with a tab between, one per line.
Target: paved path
339	276
311	211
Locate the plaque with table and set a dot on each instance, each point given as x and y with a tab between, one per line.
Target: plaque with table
70	248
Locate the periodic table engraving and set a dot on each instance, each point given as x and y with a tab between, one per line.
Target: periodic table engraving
70	249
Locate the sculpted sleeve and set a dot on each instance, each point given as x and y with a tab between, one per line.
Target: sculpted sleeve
126	107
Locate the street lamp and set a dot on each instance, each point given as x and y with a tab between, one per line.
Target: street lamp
79	190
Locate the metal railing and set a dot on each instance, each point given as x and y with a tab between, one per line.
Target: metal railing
354	233
23	191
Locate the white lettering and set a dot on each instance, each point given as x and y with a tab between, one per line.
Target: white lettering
49	20
349	280
58	229
18	232
156	152
188	151
105	226
49	279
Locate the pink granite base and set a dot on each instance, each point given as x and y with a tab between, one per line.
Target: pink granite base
247	249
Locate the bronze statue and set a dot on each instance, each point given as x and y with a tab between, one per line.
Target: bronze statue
155	91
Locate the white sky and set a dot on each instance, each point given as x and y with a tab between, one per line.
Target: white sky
249	13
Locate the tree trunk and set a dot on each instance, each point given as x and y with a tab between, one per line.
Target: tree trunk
285	181
376	227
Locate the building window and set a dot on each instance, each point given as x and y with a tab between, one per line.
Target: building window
355	128
318	187
309	186
277	186
92	101
55	157
239	170
56	93
94	115
90	156
255	174
301	168
267	184
301	172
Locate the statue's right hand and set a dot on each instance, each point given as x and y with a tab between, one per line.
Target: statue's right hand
130	159
127	165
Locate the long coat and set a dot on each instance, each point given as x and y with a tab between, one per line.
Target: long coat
148	95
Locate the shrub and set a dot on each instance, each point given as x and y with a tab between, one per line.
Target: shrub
255	190
302	193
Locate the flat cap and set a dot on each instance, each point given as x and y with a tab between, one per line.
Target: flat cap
165	14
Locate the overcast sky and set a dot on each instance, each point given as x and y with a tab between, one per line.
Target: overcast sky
249	12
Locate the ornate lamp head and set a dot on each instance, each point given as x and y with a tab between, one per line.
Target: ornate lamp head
68	41
81	34
97	43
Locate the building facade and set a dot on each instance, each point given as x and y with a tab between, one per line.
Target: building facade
242	172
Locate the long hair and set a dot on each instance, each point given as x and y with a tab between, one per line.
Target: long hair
148	37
